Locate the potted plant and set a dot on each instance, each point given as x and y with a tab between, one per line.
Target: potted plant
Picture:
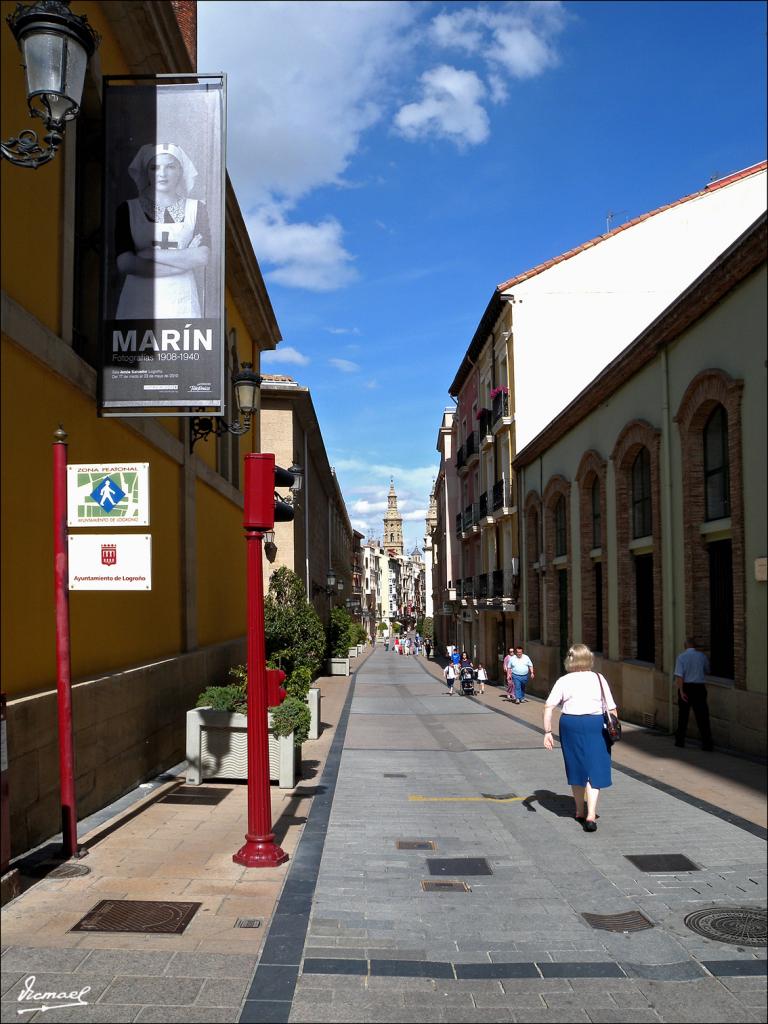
339	641
217	727
217	736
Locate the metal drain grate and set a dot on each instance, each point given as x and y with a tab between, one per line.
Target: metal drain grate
395	775
201	796
459	866
631	921
148	916
738	926
415	844
666	863
443	886
248	922
70	871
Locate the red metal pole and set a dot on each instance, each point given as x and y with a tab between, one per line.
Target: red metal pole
63	662
260	850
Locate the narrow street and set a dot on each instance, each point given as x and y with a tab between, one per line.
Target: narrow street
367	942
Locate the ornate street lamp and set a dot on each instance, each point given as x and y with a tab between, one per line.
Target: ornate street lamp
246	384
56	46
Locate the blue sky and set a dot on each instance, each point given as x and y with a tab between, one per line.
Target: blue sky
395	161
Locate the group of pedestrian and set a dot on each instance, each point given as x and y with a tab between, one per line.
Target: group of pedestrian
461	667
409	645
586	705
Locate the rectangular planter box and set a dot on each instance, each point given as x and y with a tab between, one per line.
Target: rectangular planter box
313	699
352	652
338	666
217	747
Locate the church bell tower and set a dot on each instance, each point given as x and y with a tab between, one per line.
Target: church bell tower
393	524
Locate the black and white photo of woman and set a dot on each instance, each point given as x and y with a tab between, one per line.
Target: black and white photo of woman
161	238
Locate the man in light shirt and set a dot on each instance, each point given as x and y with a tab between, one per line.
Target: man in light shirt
520	669
691	670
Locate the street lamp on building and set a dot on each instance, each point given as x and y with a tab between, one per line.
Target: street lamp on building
246	383
56	46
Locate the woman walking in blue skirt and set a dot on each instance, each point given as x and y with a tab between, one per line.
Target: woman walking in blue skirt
581	693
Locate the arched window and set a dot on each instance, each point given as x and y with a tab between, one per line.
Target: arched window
561	541
597	536
716	468
641	495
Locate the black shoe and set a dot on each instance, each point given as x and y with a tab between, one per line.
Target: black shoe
590	826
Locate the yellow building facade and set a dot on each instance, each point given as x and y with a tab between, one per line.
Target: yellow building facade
139	660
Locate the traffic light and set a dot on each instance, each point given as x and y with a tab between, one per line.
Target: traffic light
264	508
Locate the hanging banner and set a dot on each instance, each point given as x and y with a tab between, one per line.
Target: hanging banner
164	192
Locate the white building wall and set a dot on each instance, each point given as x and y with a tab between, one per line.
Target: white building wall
580	314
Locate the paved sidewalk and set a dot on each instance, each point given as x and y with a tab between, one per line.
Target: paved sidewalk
347	930
176	845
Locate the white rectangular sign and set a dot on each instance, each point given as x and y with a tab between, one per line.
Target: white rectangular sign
110	561
108	494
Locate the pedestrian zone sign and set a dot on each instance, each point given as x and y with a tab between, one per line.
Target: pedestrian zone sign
110	561
116	493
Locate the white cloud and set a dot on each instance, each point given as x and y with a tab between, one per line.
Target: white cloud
343	330
450	108
303	255
415	515
345	365
517	38
285	354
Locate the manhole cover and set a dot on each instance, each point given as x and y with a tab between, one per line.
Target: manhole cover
149	916
631	921
442	886
415	844
663	863
459	866
70	871
248	922
738	926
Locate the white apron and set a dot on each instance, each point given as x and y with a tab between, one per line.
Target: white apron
160	298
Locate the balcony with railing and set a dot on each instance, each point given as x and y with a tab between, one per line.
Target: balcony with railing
459	523
482	586
499	495
471	448
500	408
460	458
468	518
484	427
468	587
483	505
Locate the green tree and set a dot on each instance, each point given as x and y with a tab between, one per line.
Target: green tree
339	633
293	631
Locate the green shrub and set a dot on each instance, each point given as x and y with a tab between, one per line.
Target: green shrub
292	628
339	633
381	628
359	634
224	698
292	716
427	630
298	683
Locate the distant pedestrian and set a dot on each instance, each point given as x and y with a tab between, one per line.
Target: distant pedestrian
455	656
521	669
691	670
386	643
449	651
428	648
450	676
583	737
507	666
482	676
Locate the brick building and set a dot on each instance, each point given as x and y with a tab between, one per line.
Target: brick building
645	507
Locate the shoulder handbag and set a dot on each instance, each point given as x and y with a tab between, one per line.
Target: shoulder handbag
612	723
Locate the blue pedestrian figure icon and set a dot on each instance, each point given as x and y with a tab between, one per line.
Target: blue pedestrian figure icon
107	494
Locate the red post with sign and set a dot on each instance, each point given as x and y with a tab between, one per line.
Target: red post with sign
63	660
260	850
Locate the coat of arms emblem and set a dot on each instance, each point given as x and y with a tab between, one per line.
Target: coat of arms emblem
108	554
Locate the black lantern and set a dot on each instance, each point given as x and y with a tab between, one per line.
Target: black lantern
56	46
246	383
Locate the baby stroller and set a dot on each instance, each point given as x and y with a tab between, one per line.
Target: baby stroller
467	681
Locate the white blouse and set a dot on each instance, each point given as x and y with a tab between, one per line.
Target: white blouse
579	694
